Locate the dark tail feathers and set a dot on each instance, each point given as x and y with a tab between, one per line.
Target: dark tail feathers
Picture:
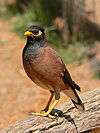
78	104
76	86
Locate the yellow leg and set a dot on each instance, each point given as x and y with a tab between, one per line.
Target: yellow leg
49	102
57	97
49	111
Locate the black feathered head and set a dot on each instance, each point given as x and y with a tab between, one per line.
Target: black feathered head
35	32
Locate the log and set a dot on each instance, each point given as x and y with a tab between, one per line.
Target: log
68	121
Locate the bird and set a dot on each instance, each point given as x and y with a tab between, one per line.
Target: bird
44	67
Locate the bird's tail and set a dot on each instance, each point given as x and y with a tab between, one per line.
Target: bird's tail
75	99
78	102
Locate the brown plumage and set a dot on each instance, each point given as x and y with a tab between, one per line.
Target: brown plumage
45	68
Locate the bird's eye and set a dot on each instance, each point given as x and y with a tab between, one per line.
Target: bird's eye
37	33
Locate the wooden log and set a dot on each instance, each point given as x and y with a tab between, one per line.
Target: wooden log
69	121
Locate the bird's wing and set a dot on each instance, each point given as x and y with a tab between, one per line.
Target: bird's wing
71	90
51	69
67	79
50	66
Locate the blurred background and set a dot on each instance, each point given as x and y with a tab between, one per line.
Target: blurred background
72	28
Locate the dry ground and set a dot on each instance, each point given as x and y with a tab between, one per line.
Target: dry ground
18	95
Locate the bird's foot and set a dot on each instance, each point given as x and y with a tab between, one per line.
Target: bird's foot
54	113
42	113
46	113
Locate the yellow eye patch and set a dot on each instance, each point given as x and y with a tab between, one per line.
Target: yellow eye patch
28	33
37	34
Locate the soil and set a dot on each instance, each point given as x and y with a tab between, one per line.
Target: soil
18	94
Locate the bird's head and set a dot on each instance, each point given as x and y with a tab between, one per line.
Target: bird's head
35	33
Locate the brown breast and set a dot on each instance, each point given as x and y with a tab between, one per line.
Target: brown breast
46	69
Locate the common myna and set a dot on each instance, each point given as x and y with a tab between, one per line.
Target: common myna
45	68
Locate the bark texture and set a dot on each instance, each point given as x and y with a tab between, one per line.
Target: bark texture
69	121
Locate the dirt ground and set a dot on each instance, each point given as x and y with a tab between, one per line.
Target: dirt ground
18	95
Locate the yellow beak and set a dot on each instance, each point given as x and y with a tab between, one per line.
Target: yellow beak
28	33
